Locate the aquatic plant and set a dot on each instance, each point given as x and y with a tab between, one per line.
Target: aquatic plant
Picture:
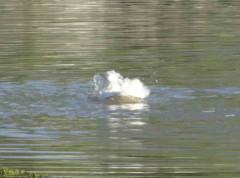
11	172
8	172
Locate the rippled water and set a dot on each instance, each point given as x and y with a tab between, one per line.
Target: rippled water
186	52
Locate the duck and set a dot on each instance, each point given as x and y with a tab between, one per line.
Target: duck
112	88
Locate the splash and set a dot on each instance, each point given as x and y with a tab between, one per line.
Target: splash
111	84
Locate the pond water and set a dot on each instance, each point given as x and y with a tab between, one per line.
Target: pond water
186	52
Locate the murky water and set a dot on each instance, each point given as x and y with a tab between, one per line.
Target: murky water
186	52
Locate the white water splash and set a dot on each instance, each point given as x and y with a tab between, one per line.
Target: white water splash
112	83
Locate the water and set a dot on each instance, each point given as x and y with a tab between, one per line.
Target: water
186	52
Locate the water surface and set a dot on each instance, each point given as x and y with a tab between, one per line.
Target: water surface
186	52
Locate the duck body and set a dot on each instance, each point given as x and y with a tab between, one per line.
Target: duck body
121	99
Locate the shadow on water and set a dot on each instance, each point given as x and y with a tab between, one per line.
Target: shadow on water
186	52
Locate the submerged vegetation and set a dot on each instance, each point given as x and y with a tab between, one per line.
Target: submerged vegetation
8	172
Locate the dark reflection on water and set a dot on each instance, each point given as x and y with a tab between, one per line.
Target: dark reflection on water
187	52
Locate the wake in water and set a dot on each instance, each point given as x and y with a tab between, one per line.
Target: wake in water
112	88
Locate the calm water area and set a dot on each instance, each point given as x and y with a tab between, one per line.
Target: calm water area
186	52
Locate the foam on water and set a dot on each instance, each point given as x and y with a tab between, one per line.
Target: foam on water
112	83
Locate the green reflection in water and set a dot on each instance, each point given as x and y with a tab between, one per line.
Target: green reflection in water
178	44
